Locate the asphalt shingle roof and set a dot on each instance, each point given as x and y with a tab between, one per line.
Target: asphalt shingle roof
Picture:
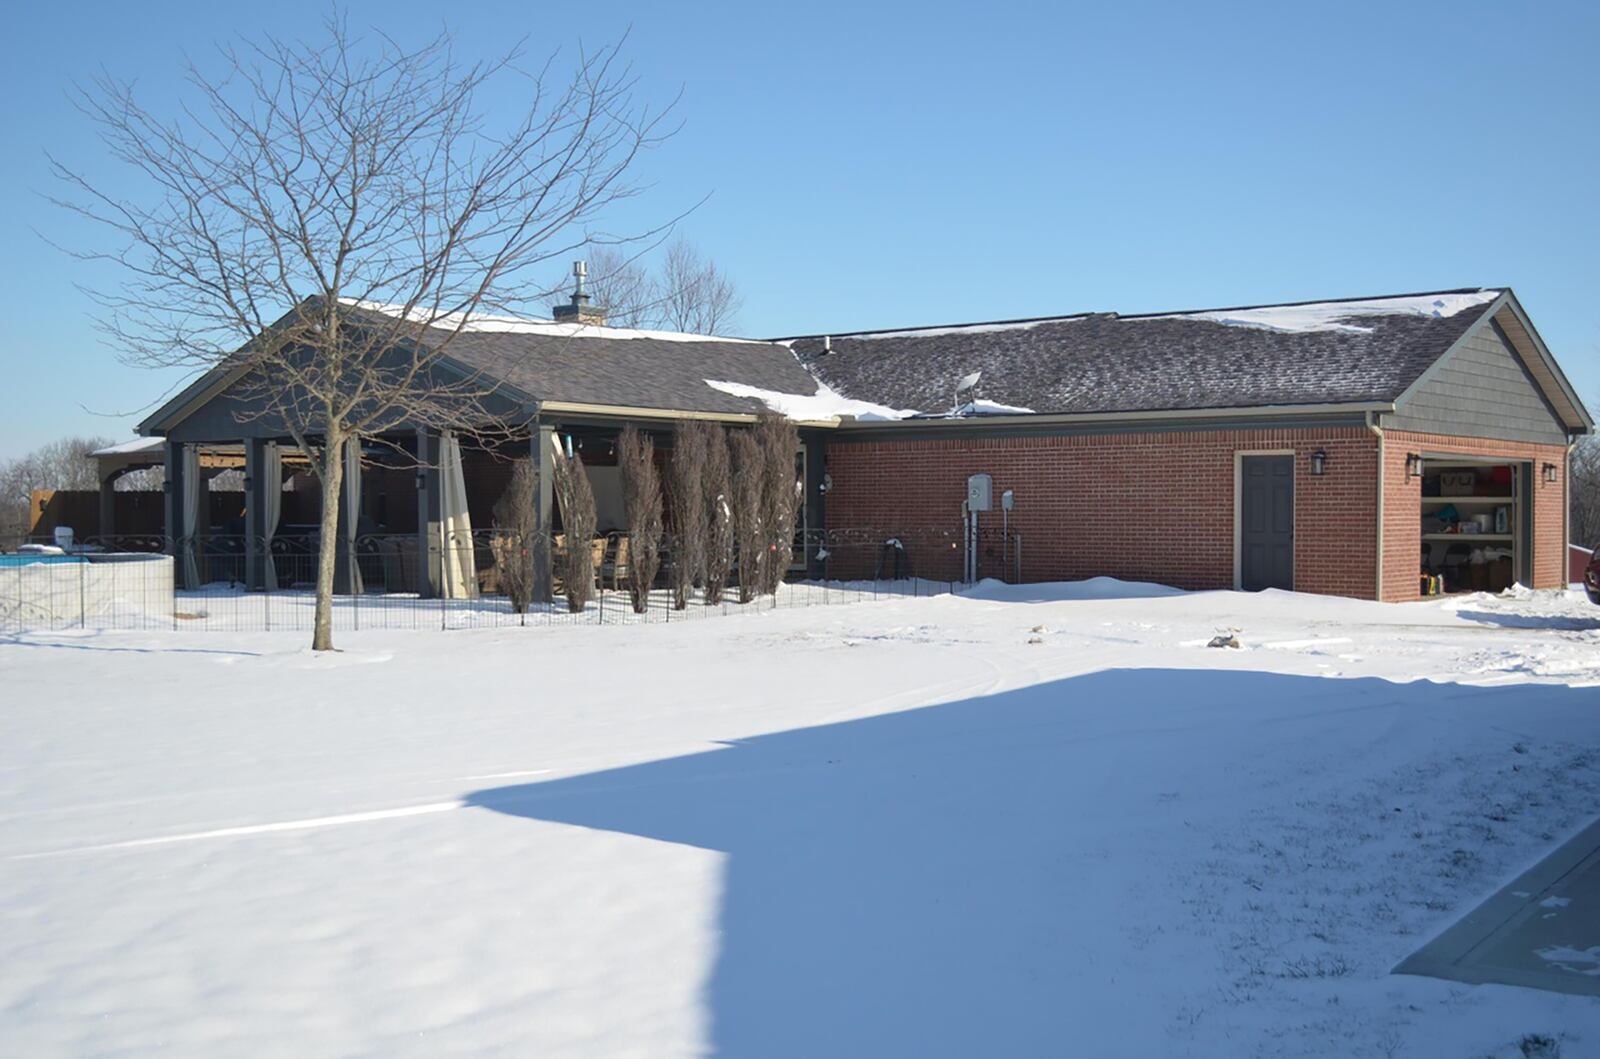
634	372
1108	363
617	366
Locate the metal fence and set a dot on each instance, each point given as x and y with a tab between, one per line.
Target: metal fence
213	583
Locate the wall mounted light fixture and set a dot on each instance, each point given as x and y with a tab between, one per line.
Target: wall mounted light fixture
1413	465
1550	472
1319	463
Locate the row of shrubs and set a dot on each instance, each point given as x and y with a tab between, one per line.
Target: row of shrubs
733	496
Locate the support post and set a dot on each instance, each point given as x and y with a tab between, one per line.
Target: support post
430	568
815	501
544	504
173	499
255	513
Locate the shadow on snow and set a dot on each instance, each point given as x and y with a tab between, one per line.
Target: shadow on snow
962	879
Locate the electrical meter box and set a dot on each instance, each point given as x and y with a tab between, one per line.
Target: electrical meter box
980	493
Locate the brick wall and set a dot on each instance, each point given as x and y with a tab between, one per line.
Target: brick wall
1154	507
1402	515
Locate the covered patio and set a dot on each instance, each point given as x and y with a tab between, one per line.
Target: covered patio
417	504
418	507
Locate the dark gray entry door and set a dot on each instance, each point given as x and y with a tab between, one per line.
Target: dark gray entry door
1266	523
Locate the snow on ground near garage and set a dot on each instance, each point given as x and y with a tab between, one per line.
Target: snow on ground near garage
1037	820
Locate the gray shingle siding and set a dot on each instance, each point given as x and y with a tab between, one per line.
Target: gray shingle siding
1480	390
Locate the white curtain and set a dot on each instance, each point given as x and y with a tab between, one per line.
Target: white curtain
352	508
460	580
272	509
193	494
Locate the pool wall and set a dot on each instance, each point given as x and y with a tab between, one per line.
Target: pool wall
124	589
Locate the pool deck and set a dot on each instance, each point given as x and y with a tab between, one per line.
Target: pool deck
1541	931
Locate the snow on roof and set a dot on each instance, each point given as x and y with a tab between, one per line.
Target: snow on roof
982	407
1331	316
824	404
128	448
526	325
962	329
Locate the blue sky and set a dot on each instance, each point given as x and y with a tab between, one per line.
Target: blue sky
924	164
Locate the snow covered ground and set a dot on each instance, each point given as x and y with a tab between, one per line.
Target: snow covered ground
1040	820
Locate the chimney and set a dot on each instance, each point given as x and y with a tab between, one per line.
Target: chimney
579	311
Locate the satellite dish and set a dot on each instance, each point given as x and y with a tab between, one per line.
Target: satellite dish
968	381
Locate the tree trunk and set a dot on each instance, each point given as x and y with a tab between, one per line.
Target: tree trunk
327	553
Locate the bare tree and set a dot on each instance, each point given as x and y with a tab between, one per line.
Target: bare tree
686	497
576	497
513	546
1583	478
641	505
717	510
745	495
63	464
306	180
620	285
693	294
780	495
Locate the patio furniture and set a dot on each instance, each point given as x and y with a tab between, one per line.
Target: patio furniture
619	567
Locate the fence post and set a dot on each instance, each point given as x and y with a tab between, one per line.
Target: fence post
83	618
356	585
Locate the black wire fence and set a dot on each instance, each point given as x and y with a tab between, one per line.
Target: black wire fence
401	581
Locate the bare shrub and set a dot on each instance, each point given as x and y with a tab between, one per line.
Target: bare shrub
641	503
686	496
513	544
780	496
717	505
578	518
749	472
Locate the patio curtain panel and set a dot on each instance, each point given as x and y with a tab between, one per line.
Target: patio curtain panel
193	494
352	509
460	580
272	509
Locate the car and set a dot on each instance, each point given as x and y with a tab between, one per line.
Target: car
1591	578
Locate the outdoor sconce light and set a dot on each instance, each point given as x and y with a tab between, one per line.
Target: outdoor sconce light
422	481
1319	463
827	483
1413	465
1550	473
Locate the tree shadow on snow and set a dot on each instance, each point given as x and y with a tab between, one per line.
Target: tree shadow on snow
962	879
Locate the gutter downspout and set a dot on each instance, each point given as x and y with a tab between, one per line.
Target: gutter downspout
1383	469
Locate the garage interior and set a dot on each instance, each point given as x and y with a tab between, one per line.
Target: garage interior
1475	532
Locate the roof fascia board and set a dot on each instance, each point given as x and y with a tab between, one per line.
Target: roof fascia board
1508	301
1046	419
934	432
1547	359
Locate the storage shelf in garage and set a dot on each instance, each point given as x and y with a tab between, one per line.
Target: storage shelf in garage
1442	500
1466	536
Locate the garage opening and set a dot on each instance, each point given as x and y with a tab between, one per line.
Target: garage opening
1475	536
